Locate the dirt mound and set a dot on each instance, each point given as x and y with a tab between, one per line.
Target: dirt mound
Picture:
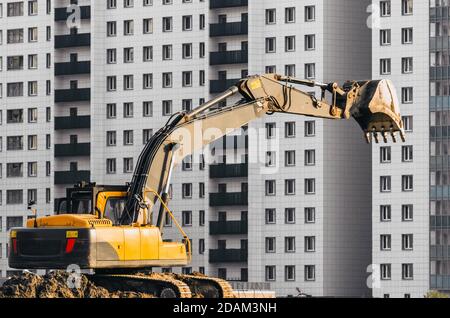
55	285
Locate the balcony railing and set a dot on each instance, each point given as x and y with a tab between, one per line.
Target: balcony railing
228	29
73	68
217	4
228	57
73	150
228	256
72	177
61	14
228	227
228	199
219	86
72	95
72	122
72	40
239	170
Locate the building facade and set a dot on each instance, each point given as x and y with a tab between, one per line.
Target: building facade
285	202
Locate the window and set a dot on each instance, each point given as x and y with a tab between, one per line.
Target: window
14	63
407	183
289	244
147	54
127	165
289	215
310	128
385	242
270	130
14	36
128	27
385	184
167	24
128	137
270	244
407	35
147	109
310	215
407	7
167	80
111	83
407	123
128	3
310	70
187	218
128	55
128	82
14	143
385	271
385	213
111	111
187	163
111	138
270	273
271	46
187	23
271	16
148	3
14	89
14	170
187	190
289	158
202	50
127	110
289	187
310	186
111	4
167	52
385	37
270	188
310	13
146	135
201	190
289	129
201	218
289	43
166	107
202	22
147	81
187	79
13	221
15	9
407	271
111	28
289	273
148	26
385	66
271	216
187	50
14	197
310	42
385	154
407	95
32	142
32	88
407	65
32	169
407	153
111	166
32	115
310	157
14	116
310	272
271	157
310	243
407	242
32	195
289	70
201	246
290	15
385	8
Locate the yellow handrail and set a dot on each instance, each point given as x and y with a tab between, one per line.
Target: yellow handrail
180	229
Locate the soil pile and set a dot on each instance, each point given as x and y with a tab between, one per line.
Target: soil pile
56	285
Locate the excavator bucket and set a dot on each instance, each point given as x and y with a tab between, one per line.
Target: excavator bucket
377	111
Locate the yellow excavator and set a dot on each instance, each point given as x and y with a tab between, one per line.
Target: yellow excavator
110	229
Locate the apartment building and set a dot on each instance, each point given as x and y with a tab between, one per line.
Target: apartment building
293	214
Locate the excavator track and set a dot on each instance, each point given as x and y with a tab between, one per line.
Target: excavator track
207	287
162	286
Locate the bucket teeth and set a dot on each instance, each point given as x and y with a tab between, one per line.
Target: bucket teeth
368	137
375	136
385	135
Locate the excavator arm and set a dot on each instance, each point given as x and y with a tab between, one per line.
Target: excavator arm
373	104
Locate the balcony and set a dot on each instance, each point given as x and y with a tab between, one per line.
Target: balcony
228	227
228	57
72	122
220	86
228	256
228	29
72	95
72	150
72	68
72	40
62	15
228	199
217	4
72	177
228	171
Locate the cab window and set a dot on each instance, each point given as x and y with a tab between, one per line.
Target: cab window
113	209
